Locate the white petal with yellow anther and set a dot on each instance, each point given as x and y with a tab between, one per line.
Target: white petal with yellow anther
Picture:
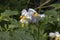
57	35
23	13
37	18
31	11
27	15
34	13
24	21
51	34
31	15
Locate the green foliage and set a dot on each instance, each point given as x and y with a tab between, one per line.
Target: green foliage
8	13
10	27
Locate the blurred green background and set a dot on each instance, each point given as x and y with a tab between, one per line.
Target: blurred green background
10	27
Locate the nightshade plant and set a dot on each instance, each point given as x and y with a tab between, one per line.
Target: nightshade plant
24	20
30	17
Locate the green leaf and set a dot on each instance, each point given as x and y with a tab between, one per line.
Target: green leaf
20	35
51	15
43	36
9	13
4	36
56	5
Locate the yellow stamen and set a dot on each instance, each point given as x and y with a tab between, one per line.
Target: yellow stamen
23	25
57	38
24	18
35	14
21	17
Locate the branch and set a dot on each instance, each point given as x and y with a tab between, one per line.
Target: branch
43	4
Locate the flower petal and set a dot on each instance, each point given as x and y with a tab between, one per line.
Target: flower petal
31	11
24	11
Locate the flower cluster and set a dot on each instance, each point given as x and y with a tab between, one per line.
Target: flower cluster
55	35
30	16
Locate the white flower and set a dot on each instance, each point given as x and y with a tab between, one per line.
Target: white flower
25	17
31	15
57	34
24	11
51	34
31	11
35	16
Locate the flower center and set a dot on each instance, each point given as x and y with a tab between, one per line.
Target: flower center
21	17
24	18
35	14
57	38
